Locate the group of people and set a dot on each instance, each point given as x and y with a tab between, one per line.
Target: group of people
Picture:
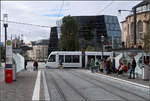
35	65
108	67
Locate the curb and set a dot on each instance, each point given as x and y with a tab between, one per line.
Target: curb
137	84
121	80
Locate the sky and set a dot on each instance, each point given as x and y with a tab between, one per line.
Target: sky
46	13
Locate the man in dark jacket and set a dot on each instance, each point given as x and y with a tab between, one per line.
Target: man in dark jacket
132	71
35	64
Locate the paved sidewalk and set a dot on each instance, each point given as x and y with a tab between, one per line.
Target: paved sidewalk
1	74
19	90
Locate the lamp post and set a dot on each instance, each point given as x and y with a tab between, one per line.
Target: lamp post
5	26
134	15
102	40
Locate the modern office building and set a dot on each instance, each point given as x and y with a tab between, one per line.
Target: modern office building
53	40
142	26
91	28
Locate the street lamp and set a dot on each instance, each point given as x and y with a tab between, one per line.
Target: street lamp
102	40
5	19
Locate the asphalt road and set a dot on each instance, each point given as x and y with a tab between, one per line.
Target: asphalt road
76	85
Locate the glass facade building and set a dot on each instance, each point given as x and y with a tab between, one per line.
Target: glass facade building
91	28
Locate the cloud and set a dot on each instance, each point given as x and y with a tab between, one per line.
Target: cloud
54	15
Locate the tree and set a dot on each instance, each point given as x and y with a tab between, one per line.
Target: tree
90	48
68	39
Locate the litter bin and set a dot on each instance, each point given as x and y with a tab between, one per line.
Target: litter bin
8	75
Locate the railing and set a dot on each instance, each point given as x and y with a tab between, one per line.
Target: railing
19	62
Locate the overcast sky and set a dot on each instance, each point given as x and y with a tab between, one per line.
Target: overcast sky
46	13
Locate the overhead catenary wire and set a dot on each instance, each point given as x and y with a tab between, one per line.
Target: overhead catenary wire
26	24
105	7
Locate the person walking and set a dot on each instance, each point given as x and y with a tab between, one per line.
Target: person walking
92	65
132	70
35	64
60	64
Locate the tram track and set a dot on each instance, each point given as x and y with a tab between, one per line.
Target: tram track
87	76
74	89
58	88
97	85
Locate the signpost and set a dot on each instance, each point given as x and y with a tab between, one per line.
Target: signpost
8	68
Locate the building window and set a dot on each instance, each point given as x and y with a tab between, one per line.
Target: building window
140	30
132	28
149	26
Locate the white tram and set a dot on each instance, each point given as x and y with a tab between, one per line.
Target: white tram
73	58
69	59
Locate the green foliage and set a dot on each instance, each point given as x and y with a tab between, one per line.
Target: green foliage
90	48
69	29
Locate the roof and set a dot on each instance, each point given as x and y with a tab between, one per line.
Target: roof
145	2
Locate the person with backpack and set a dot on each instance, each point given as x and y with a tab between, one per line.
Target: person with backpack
132	70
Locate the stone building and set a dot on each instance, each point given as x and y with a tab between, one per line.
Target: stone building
142	26
39	50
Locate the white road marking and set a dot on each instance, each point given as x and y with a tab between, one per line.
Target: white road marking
137	84
36	93
46	93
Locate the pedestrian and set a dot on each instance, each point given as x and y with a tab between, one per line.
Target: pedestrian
132	70
108	66
113	66
60	63
25	64
120	68
96	65
35	64
102	65
92	65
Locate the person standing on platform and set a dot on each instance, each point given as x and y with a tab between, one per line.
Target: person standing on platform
132	71
92	65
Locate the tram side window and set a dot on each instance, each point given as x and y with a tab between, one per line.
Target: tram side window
68	58
76	58
52	58
61	57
